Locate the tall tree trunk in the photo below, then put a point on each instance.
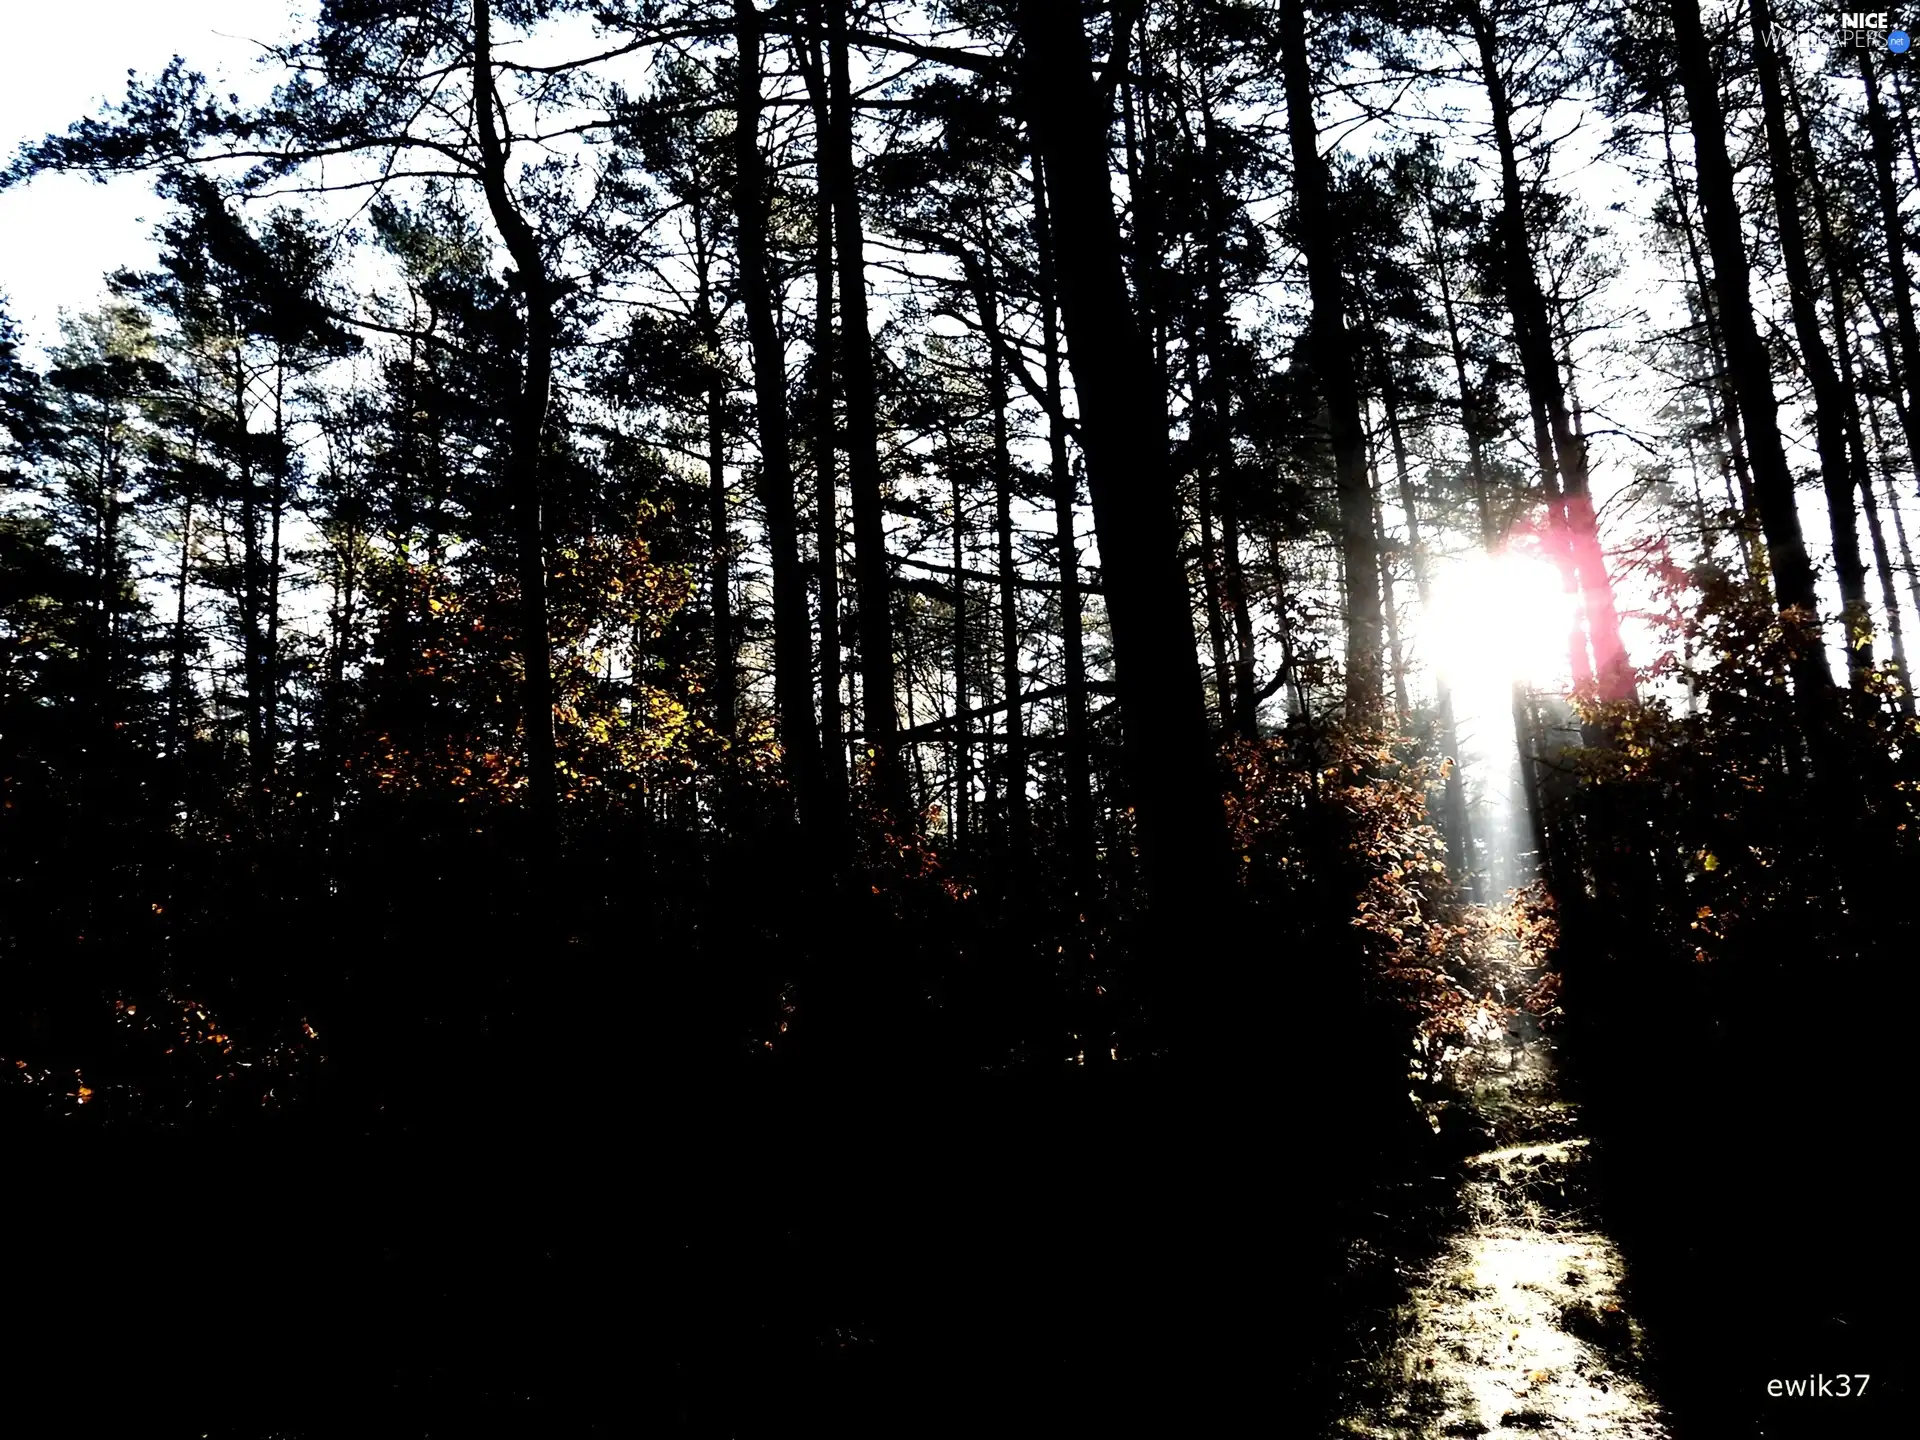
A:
(528, 439)
(821, 429)
(1880, 132)
(1396, 652)
(276, 508)
(1829, 401)
(1907, 567)
(1171, 780)
(1859, 470)
(1723, 406)
(1337, 373)
(1147, 202)
(345, 619)
(1791, 569)
(879, 723)
(177, 659)
(1527, 730)
(102, 667)
(437, 471)
(1016, 737)
(252, 640)
(1882, 558)
(1723, 420)
(1533, 335)
(1300, 706)
(1246, 698)
(1457, 351)
(1075, 760)
(962, 718)
(343, 612)
(1889, 357)
(792, 626)
(1837, 793)
(919, 795)
(1202, 446)
(1216, 403)
(726, 679)
(1211, 585)
(1906, 123)
(720, 581)
(1889, 596)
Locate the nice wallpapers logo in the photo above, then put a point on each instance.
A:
(1869, 30)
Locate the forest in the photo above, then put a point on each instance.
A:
(748, 717)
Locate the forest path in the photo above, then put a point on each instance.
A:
(1510, 1317)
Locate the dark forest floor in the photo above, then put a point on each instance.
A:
(1120, 1249)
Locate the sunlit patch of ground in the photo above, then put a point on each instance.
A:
(1516, 1324)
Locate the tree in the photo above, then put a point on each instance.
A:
(1333, 362)
(793, 646)
(879, 720)
(1123, 428)
(1792, 570)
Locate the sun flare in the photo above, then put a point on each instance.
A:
(1497, 619)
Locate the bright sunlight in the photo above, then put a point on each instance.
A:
(1498, 619)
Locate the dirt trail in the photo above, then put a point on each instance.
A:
(1510, 1318)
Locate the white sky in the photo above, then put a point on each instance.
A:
(59, 61)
